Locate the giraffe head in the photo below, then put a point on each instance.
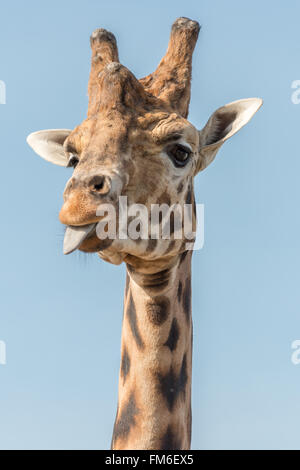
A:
(136, 142)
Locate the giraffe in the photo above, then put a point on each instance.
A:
(137, 142)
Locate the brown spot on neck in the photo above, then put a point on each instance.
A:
(173, 337)
(187, 298)
(158, 310)
(126, 421)
(133, 322)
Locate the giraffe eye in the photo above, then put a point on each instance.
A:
(73, 160)
(179, 154)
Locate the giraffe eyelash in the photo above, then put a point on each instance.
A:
(73, 161)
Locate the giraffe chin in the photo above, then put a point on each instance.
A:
(111, 256)
(93, 244)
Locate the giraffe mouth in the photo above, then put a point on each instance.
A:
(74, 236)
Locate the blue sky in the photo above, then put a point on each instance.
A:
(60, 317)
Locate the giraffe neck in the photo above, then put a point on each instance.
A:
(154, 407)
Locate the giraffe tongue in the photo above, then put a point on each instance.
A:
(74, 236)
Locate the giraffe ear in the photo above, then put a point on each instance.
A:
(48, 144)
(223, 124)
